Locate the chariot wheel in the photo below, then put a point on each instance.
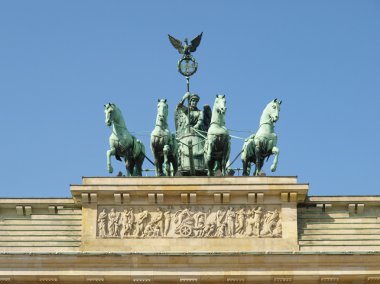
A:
(186, 231)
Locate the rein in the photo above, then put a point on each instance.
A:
(270, 122)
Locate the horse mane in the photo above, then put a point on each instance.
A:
(216, 117)
(165, 124)
(263, 118)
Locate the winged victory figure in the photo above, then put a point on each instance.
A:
(186, 48)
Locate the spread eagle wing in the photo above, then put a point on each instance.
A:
(195, 42)
(206, 117)
(176, 43)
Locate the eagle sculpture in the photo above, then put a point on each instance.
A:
(187, 48)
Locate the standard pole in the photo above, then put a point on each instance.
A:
(188, 103)
(190, 142)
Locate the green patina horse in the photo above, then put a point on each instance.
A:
(122, 143)
(217, 146)
(261, 145)
(162, 143)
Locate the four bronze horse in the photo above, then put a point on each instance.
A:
(217, 145)
(261, 145)
(122, 143)
(162, 143)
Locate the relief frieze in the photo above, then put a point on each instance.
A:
(188, 222)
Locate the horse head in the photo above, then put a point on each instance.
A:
(112, 113)
(162, 111)
(272, 111)
(220, 104)
(108, 109)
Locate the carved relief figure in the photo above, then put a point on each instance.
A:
(230, 222)
(270, 222)
(240, 221)
(185, 222)
(102, 223)
(157, 223)
(167, 219)
(200, 222)
(113, 225)
(220, 214)
(253, 222)
(141, 220)
(126, 221)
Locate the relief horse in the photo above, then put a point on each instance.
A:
(122, 143)
(162, 143)
(217, 145)
(262, 145)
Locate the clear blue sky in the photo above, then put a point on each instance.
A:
(61, 61)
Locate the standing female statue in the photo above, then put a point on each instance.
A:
(191, 125)
(183, 115)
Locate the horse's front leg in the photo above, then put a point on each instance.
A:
(166, 160)
(276, 152)
(110, 153)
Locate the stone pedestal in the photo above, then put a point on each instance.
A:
(190, 214)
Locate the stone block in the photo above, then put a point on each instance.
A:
(217, 198)
(284, 196)
(20, 210)
(28, 210)
(251, 198)
(226, 198)
(352, 208)
(151, 198)
(85, 198)
(327, 206)
(360, 208)
(160, 198)
(293, 196)
(126, 198)
(52, 209)
(184, 198)
(117, 198)
(260, 197)
(193, 198)
(93, 198)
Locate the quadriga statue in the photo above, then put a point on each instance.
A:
(122, 143)
(261, 145)
(162, 143)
